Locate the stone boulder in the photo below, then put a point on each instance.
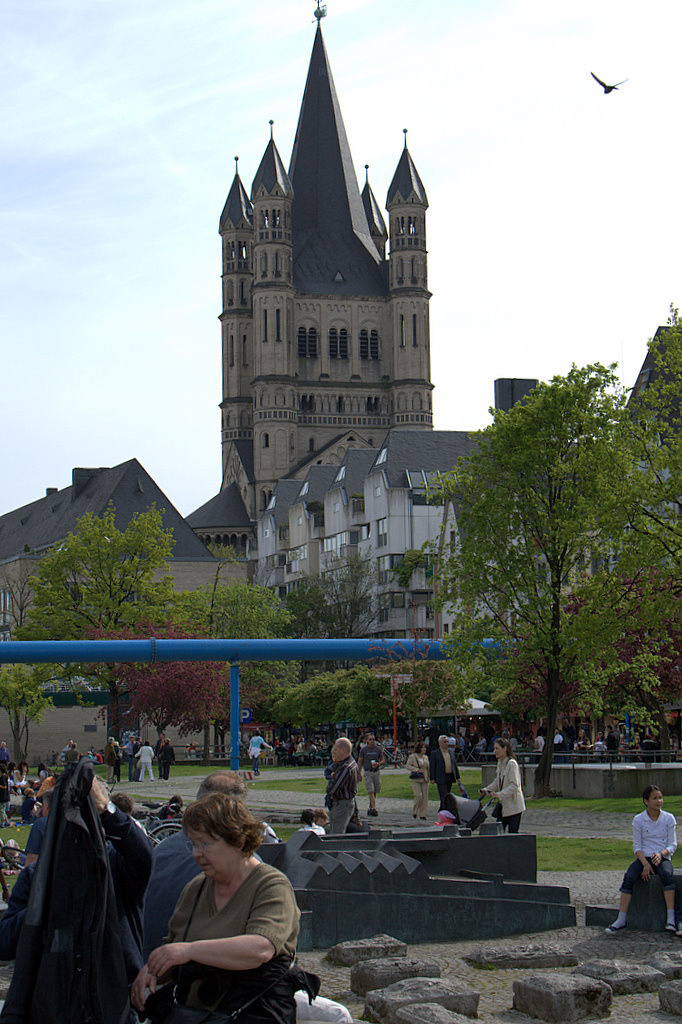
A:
(371, 974)
(669, 964)
(670, 997)
(429, 1013)
(522, 956)
(624, 976)
(562, 997)
(345, 954)
(383, 1004)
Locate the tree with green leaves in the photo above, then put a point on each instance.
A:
(101, 580)
(245, 611)
(338, 603)
(547, 490)
(23, 698)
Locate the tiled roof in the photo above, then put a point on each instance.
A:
(225, 511)
(128, 487)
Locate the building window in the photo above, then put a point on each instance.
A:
(312, 343)
(343, 343)
(244, 361)
(382, 533)
(265, 326)
(333, 344)
(232, 350)
(266, 440)
(340, 404)
(364, 345)
(302, 343)
(311, 444)
(414, 330)
(374, 345)
(278, 320)
(402, 331)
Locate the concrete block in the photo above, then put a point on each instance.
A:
(623, 976)
(370, 974)
(345, 954)
(562, 997)
(670, 997)
(383, 1004)
(522, 956)
(429, 1013)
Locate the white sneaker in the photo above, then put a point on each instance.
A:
(671, 928)
(614, 928)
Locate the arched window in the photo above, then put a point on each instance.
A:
(266, 440)
(333, 344)
(312, 343)
(364, 344)
(311, 444)
(232, 350)
(343, 343)
(374, 345)
(230, 293)
(340, 404)
(402, 331)
(302, 348)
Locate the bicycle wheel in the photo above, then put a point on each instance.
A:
(165, 831)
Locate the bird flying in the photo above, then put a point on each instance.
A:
(605, 87)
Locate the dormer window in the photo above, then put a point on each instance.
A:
(382, 456)
(340, 475)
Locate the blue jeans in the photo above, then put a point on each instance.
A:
(664, 870)
(254, 764)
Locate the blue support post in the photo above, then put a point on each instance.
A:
(235, 720)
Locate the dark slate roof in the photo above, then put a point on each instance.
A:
(225, 511)
(237, 207)
(271, 172)
(377, 225)
(433, 451)
(284, 495)
(128, 487)
(358, 462)
(319, 479)
(244, 449)
(406, 182)
(333, 250)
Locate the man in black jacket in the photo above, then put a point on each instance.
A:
(74, 920)
(443, 769)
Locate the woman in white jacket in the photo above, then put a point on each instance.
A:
(507, 786)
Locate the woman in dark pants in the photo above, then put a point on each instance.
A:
(507, 786)
(443, 769)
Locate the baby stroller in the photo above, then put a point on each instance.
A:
(467, 813)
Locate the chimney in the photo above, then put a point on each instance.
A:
(80, 479)
(50, 490)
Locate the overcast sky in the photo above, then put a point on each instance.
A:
(553, 226)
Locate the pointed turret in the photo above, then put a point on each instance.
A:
(238, 211)
(406, 186)
(334, 252)
(377, 227)
(271, 177)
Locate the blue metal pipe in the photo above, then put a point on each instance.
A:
(65, 651)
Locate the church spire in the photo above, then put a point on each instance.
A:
(333, 249)
(271, 174)
(238, 208)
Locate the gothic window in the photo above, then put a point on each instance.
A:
(302, 346)
(232, 250)
(276, 218)
(343, 343)
(413, 270)
(414, 330)
(243, 252)
(265, 219)
(244, 360)
(340, 404)
(333, 344)
(412, 225)
(364, 344)
(230, 293)
(242, 296)
(311, 444)
(401, 271)
(266, 440)
(232, 350)
(265, 326)
(312, 343)
(374, 345)
(278, 336)
(263, 264)
(400, 225)
(402, 331)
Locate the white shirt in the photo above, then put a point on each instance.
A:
(654, 836)
(145, 754)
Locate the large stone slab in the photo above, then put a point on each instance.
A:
(383, 1004)
(623, 976)
(522, 956)
(370, 974)
(345, 954)
(430, 1013)
(670, 997)
(562, 997)
(669, 964)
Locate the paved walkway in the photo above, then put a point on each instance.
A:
(283, 805)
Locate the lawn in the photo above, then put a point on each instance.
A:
(392, 786)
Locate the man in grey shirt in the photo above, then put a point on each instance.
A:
(371, 759)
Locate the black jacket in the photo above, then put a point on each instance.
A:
(437, 766)
(77, 935)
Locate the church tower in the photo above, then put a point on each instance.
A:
(325, 338)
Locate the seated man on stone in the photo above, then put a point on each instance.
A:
(654, 840)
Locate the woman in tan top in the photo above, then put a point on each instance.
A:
(418, 767)
(233, 933)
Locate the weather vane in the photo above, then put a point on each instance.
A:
(321, 11)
